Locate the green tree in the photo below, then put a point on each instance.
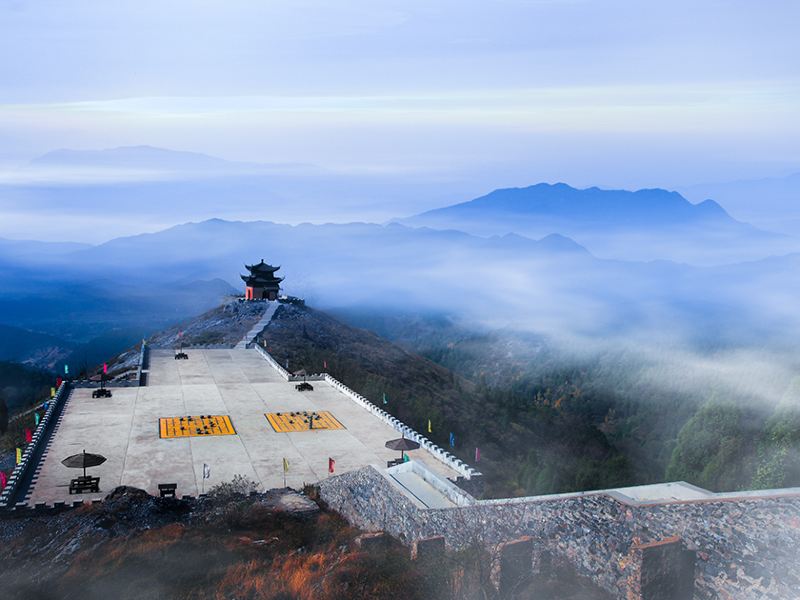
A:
(778, 455)
(714, 448)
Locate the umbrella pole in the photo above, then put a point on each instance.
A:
(84, 464)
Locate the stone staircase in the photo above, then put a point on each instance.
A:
(272, 306)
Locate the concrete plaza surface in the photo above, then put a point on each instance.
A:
(236, 382)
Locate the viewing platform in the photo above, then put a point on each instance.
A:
(235, 383)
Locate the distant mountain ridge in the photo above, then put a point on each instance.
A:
(590, 206)
(647, 224)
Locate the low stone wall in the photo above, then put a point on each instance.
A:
(273, 363)
(84, 384)
(450, 460)
(141, 372)
(31, 455)
(745, 546)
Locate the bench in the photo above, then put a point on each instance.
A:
(82, 485)
(101, 393)
(304, 387)
(394, 463)
(181, 356)
(167, 490)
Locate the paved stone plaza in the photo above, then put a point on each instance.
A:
(238, 383)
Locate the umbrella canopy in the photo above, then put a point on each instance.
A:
(403, 444)
(83, 460)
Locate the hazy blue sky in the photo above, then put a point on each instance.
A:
(612, 93)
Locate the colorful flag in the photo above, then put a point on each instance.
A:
(59, 381)
(477, 454)
(36, 418)
(105, 368)
(429, 426)
(206, 471)
(19, 455)
(385, 401)
(452, 440)
(66, 369)
(3, 480)
(28, 436)
(285, 466)
(287, 364)
(325, 364)
(52, 392)
(331, 465)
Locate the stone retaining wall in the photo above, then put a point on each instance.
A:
(746, 546)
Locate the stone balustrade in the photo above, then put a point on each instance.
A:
(9, 496)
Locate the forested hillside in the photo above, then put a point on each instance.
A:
(546, 420)
(526, 446)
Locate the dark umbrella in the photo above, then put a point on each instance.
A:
(403, 444)
(83, 460)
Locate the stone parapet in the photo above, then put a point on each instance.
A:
(745, 547)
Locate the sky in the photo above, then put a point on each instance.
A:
(496, 93)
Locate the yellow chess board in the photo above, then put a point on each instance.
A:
(285, 422)
(199, 426)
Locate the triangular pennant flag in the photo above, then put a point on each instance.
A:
(66, 369)
(36, 418)
(3, 480)
(331, 465)
(325, 364)
(28, 436)
(452, 440)
(105, 368)
(52, 392)
(385, 401)
(19, 455)
(429, 426)
(285, 466)
(206, 471)
(477, 454)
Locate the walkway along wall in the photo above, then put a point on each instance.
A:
(746, 546)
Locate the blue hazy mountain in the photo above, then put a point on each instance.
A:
(641, 225)
(772, 203)
(552, 285)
